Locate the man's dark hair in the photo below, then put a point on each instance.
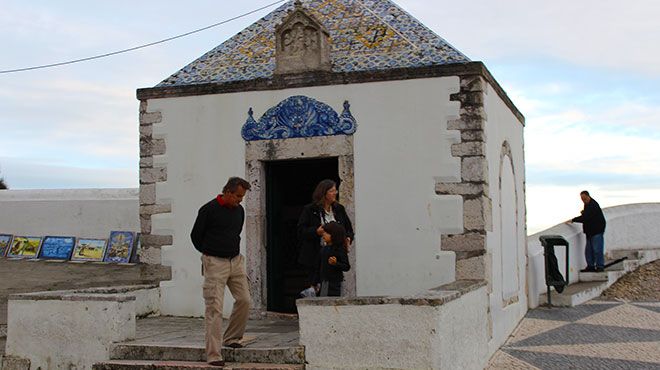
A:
(233, 183)
(585, 193)
(321, 189)
(3, 186)
(336, 231)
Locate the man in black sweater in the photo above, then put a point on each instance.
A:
(593, 225)
(216, 234)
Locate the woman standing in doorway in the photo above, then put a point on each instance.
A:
(323, 209)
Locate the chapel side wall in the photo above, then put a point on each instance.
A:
(401, 150)
(506, 244)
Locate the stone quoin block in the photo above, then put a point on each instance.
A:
(151, 175)
(146, 162)
(155, 240)
(150, 118)
(473, 214)
(155, 209)
(474, 169)
(447, 188)
(150, 255)
(147, 194)
(473, 136)
(473, 83)
(145, 224)
(473, 148)
(464, 242)
(463, 123)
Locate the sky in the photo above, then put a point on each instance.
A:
(584, 74)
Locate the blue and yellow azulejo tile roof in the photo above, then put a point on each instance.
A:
(366, 35)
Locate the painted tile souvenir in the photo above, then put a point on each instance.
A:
(24, 247)
(5, 241)
(57, 247)
(89, 250)
(120, 246)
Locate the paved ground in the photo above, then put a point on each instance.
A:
(641, 285)
(189, 332)
(597, 335)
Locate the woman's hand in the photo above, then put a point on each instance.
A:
(347, 244)
(332, 261)
(319, 231)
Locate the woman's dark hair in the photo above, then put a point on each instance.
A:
(336, 231)
(321, 189)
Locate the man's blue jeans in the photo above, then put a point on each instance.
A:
(593, 251)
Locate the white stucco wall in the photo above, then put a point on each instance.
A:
(629, 227)
(401, 148)
(506, 243)
(89, 213)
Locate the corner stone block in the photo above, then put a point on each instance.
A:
(473, 83)
(474, 169)
(146, 162)
(474, 213)
(472, 268)
(473, 148)
(151, 175)
(150, 255)
(473, 136)
(147, 194)
(150, 118)
(145, 225)
(463, 242)
(150, 241)
(466, 123)
(447, 188)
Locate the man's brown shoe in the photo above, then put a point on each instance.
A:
(217, 363)
(234, 345)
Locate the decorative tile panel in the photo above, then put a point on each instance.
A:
(366, 35)
(299, 116)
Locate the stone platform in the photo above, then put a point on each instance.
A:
(178, 342)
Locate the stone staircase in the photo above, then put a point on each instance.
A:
(592, 284)
(178, 343)
(146, 356)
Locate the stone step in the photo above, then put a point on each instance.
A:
(607, 276)
(163, 352)
(189, 365)
(575, 294)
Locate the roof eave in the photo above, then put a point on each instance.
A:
(280, 82)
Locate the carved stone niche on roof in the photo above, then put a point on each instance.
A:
(302, 44)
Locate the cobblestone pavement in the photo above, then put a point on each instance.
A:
(596, 335)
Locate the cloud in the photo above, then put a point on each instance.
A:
(594, 33)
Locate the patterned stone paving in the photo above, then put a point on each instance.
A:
(596, 335)
(366, 35)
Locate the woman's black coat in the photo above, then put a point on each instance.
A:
(309, 222)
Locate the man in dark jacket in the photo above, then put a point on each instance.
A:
(216, 234)
(593, 225)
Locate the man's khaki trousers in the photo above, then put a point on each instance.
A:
(218, 273)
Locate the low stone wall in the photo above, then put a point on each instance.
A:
(445, 328)
(74, 329)
(86, 213)
(630, 228)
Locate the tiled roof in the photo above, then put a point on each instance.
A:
(366, 35)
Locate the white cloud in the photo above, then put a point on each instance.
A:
(594, 33)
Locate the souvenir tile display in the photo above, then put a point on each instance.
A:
(120, 246)
(24, 247)
(5, 241)
(57, 247)
(89, 250)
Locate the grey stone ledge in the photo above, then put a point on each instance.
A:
(433, 297)
(111, 294)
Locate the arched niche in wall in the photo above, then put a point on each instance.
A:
(508, 209)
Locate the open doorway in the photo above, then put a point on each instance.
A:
(289, 187)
